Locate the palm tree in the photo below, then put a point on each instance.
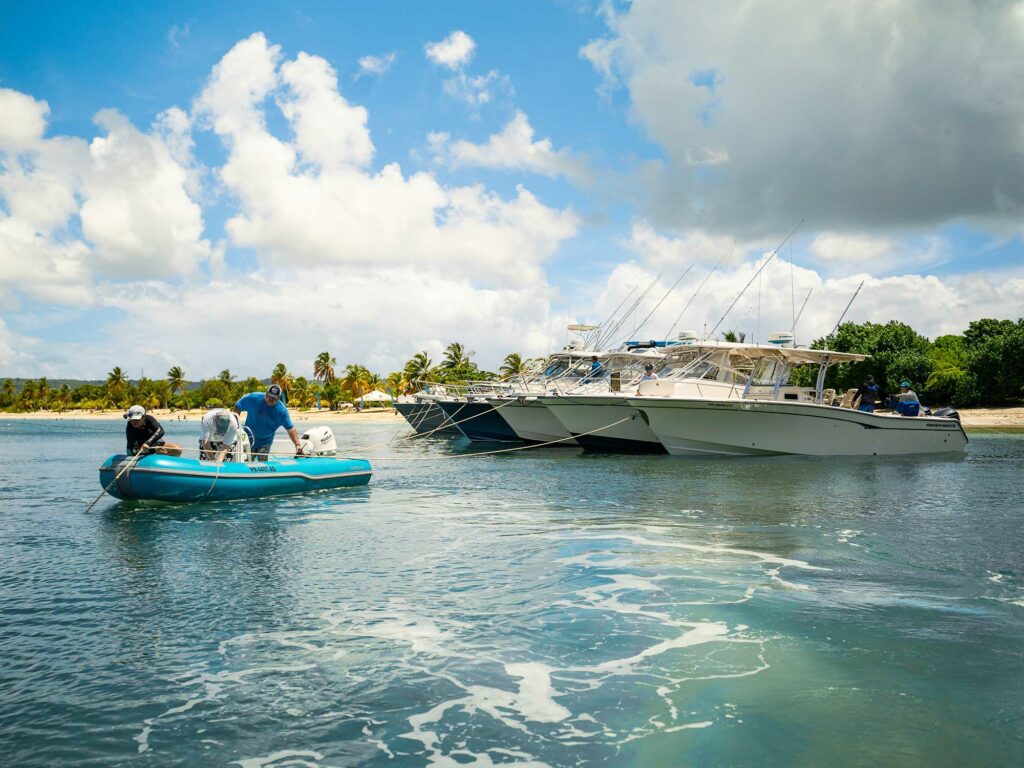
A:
(176, 380)
(117, 384)
(283, 379)
(27, 396)
(8, 391)
(356, 380)
(455, 357)
(226, 377)
(43, 391)
(513, 365)
(63, 397)
(323, 367)
(734, 336)
(300, 391)
(419, 369)
(396, 383)
(161, 390)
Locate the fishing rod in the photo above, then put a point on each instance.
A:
(636, 330)
(606, 337)
(796, 318)
(752, 279)
(690, 300)
(616, 310)
(840, 320)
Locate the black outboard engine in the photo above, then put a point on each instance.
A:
(947, 413)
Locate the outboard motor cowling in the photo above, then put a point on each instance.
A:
(319, 441)
(947, 413)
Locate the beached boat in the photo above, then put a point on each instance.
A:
(176, 478)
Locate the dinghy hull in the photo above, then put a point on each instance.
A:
(178, 479)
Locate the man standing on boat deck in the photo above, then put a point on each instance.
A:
(867, 395)
(264, 414)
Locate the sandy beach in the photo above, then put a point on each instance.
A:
(370, 416)
(971, 418)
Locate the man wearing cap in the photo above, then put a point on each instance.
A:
(264, 413)
(143, 432)
(907, 403)
(649, 374)
(219, 434)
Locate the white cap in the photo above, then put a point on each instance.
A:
(135, 412)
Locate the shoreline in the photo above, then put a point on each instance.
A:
(971, 418)
(371, 416)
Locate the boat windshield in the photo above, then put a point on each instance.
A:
(767, 371)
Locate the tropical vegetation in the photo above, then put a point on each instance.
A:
(982, 366)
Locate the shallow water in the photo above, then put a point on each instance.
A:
(540, 608)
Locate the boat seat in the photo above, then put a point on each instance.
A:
(828, 396)
(846, 401)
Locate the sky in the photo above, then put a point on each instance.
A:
(213, 186)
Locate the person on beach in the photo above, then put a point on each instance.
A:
(867, 395)
(144, 430)
(219, 434)
(649, 374)
(264, 413)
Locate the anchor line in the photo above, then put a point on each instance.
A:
(134, 460)
(507, 450)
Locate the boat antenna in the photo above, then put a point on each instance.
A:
(796, 318)
(606, 337)
(689, 301)
(643, 322)
(752, 279)
(840, 320)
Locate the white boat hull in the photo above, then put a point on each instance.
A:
(759, 428)
(532, 421)
(604, 423)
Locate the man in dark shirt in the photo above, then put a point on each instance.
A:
(867, 395)
(143, 429)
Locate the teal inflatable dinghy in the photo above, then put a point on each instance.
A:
(157, 477)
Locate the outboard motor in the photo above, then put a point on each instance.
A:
(319, 441)
(947, 413)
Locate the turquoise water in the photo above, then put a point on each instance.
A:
(539, 608)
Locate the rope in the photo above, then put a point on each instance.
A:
(134, 460)
(509, 450)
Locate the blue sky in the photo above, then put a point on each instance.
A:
(575, 151)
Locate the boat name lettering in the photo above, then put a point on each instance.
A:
(262, 468)
(941, 426)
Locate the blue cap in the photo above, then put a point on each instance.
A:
(905, 383)
(274, 391)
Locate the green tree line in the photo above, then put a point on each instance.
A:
(982, 366)
(329, 384)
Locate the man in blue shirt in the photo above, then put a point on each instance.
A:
(264, 413)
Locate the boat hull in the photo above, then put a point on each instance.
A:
(763, 428)
(426, 416)
(532, 421)
(592, 420)
(479, 421)
(178, 479)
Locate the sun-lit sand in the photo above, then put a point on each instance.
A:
(370, 415)
(972, 418)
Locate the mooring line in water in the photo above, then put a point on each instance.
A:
(506, 450)
(134, 460)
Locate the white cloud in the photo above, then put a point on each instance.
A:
(476, 91)
(24, 120)
(659, 250)
(453, 52)
(514, 149)
(869, 116)
(330, 210)
(136, 210)
(375, 65)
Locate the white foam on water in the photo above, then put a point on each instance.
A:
(293, 757)
(688, 726)
(536, 694)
